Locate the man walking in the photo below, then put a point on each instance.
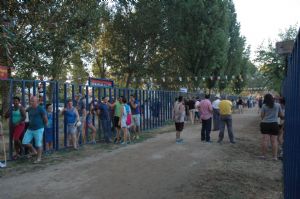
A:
(206, 110)
(225, 119)
(37, 120)
(216, 113)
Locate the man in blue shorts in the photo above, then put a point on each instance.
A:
(37, 120)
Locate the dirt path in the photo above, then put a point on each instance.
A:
(159, 168)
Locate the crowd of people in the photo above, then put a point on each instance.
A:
(33, 126)
(124, 118)
(216, 114)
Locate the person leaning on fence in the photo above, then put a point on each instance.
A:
(37, 121)
(18, 125)
(117, 106)
(103, 112)
(89, 122)
(225, 107)
(136, 116)
(49, 131)
(72, 119)
(269, 127)
(178, 116)
(123, 122)
(80, 104)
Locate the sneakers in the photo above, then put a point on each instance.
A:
(179, 141)
(232, 142)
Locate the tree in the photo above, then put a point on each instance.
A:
(272, 65)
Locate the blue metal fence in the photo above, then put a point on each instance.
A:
(156, 105)
(292, 125)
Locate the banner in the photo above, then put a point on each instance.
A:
(3, 72)
(183, 90)
(96, 82)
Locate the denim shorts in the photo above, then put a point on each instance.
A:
(136, 120)
(37, 135)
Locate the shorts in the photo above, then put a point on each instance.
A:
(116, 121)
(179, 126)
(18, 131)
(123, 123)
(37, 135)
(269, 128)
(49, 135)
(136, 120)
(71, 128)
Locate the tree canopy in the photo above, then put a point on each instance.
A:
(137, 43)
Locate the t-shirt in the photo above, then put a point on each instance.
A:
(136, 110)
(36, 117)
(118, 107)
(240, 102)
(179, 112)
(216, 103)
(271, 114)
(104, 111)
(50, 120)
(70, 115)
(205, 109)
(16, 116)
(191, 104)
(225, 107)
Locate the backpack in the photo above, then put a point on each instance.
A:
(128, 117)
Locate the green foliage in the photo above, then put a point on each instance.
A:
(130, 41)
(272, 65)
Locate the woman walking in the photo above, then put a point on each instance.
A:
(270, 112)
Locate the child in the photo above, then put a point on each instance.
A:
(49, 133)
(89, 123)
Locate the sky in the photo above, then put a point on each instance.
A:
(262, 20)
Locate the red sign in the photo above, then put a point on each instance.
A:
(95, 82)
(3, 72)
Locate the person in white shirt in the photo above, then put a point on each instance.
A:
(216, 113)
(197, 113)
